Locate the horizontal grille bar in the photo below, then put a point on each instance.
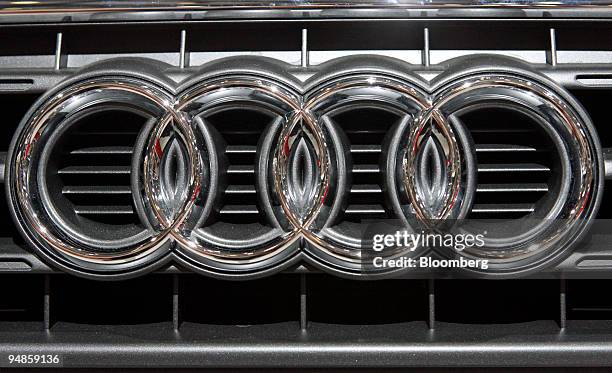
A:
(104, 150)
(503, 208)
(514, 167)
(246, 169)
(93, 170)
(490, 148)
(97, 189)
(103, 210)
(531, 187)
(240, 189)
(366, 168)
(239, 209)
(366, 188)
(364, 209)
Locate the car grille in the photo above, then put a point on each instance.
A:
(304, 314)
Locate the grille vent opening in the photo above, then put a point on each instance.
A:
(489, 35)
(21, 307)
(25, 47)
(580, 43)
(527, 42)
(496, 302)
(585, 300)
(87, 44)
(94, 167)
(584, 44)
(146, 300)
(366, 130)
(272, 300)
(240, 130)
(591, 37)
(347, 302)
(516, 164)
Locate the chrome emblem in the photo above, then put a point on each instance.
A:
(303, 171)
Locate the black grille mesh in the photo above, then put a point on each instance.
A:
(94, 168)
(515, 163)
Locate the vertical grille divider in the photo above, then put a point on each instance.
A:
(426, 51)
(183, 54)
(47, 303)
(551, 53)
(60, 60)
(431, 294)
(176, 315)
(303, 302)
(562, 305)
(305, 61)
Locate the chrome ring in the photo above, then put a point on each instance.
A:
(563, 218)
(60, 237)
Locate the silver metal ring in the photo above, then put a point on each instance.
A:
(43, 219)
(562, 122)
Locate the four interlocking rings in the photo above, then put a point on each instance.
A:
(429, 163)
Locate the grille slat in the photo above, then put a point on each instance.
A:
(239, 209)
(241, 169)
(366, 188)
(368, 148)
(104, 132)
(103, 210)
(95, 170)
(532, 187)
(366, 169)
(502, 130)
(103, 150)
(365, 210)
(488, 148)
(240, 189)
(503, 208)
(513, 167)
(97, 189)
(241, 149)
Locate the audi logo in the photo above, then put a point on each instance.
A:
(429, 167)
